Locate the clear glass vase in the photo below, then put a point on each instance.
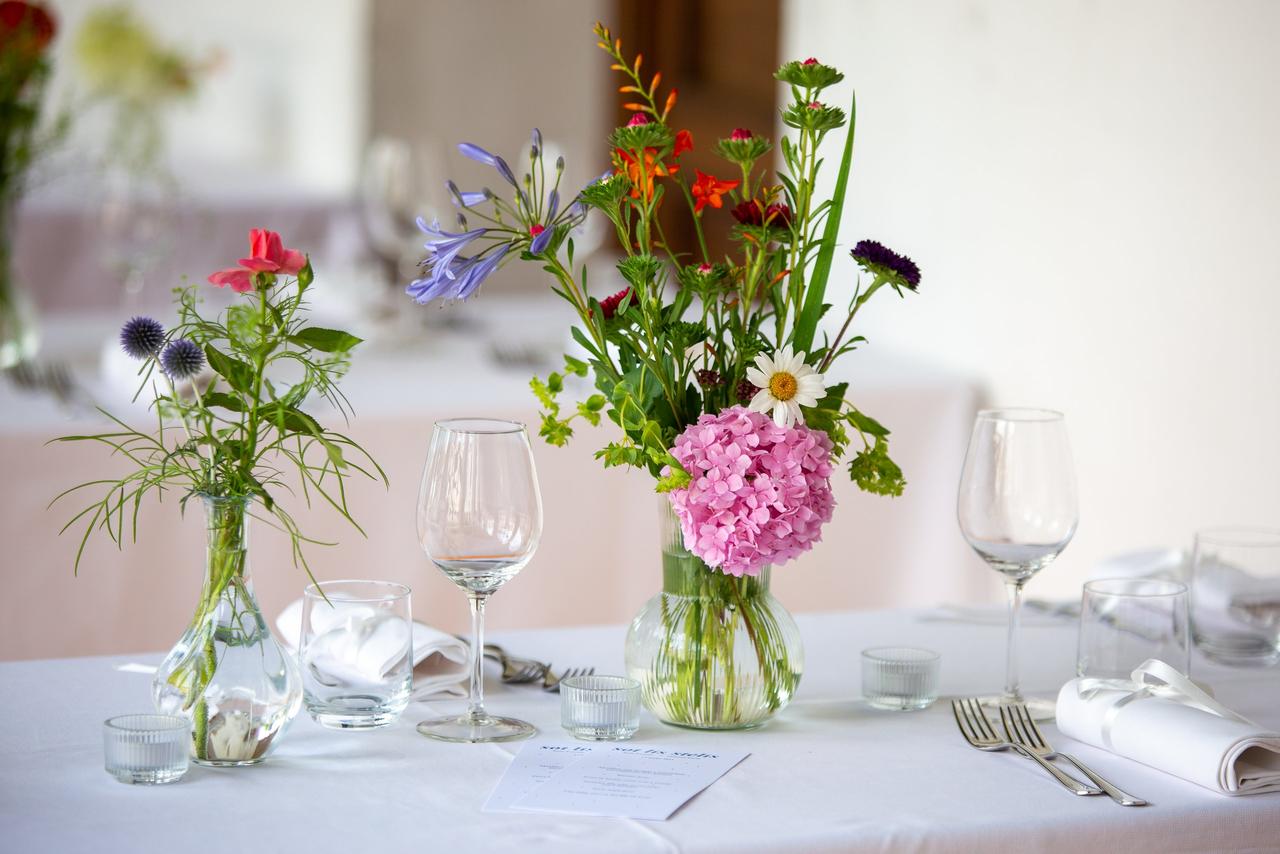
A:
(712, 651)
(19, 332)
(227, 673)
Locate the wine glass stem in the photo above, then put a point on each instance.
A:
(1014, 589)
(476, 707)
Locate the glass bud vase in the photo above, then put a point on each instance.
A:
(19, 333)
(712, 651)
(227, 673)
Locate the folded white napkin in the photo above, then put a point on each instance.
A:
(370, 645)
(1164, 720)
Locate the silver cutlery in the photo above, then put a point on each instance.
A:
(1021, 728)
(516, 671)
(551, 682)
(977, 730)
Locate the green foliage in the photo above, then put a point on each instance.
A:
(874, 472)
(238, 434)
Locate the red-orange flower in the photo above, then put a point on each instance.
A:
(708, 190)
(653, 167)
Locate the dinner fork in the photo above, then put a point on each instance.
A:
(1021, 728)
(977, 730)
(551, 682)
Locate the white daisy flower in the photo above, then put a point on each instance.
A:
(786, 383)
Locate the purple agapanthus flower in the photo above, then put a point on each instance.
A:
(464, 199)
(479, 155)
(448, 245)
(458, 280)
(883, 261)
(553, 204)
(539, 243)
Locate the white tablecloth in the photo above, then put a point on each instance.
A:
(598, 559)
(830, 774)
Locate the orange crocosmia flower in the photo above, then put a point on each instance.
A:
(684, 142)
(709, 189)
(653, 168)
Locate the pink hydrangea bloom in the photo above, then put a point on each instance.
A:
(759, 493)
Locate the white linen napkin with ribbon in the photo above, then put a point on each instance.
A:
(1163, 719)
(439, 659)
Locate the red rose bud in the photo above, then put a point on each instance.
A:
(778, 215)
(748, 213)
(810, 61)
(638, 119)
(740, 134)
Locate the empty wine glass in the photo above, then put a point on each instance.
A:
(1017, 509)
(479, 520)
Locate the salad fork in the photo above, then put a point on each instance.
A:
(1021, 728)
(977, 730)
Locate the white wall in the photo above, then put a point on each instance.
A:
(1092, 191)
(287, 108)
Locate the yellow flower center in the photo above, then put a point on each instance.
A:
(782, 386)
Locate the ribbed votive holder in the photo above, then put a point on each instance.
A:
(900, 678)
(146, 749)
(600, 708)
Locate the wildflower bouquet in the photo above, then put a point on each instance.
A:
(714, 368)
(228, 394)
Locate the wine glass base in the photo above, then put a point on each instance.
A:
(1042, 709)
(474, 729)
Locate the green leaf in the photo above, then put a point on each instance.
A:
(545, 396)
(575, 366)
(325, 340)
(874, 472)
(807, 322)
(867, 424)
(675, 478)
(555, 431)
(237, 373)
(224, 400)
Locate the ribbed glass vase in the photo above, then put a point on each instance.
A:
(227, 674)
(19, 333)
(712, 651)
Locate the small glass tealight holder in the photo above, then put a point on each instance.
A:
(147, 749)
(899, 678)
(600, 708)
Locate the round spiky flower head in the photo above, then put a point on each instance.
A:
(809, 74)
(642, 135)
(879, 260)
(182, 359)
(142, 337)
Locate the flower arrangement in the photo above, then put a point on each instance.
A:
(228, 396)
(714, 368)
(693, 340)
(26, 31)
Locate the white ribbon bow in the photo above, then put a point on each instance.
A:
(1154, 678)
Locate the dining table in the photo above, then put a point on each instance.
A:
(828, 774)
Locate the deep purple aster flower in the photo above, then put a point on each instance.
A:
(479, 155)
(142, 337)
(182, 359)
(880, 260)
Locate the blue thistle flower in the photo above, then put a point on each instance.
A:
(182, 359)
(142, 337)
(880, 260)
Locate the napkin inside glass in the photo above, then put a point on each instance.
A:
(1229, 756)
(372, 645)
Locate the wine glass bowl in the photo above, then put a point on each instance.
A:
(1017, 505)
(479, 521)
